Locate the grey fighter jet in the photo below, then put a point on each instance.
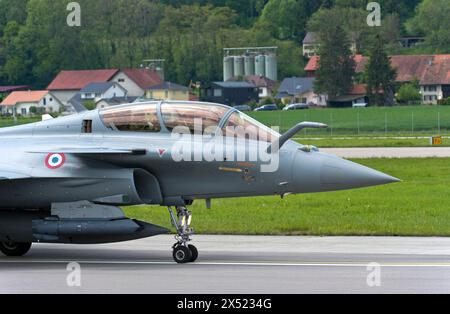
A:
(63, 180)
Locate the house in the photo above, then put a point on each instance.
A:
(26, 103)
(265, 85)
(431, 71)
(168, 91)
(95, 92)
(357, 96)
(311, 44)
(300, 90)
(230, 93)
(68, 83)
(5, 90)
(115, 101)
(137, 81)
(313, 65)
(134, 81)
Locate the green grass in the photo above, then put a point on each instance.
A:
(418, 206)
(370, 142)
(6, 122)
(406, 120)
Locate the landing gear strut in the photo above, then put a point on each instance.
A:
(183, 252)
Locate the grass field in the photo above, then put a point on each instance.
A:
(5, 122)
(371, 121)
(418, 206)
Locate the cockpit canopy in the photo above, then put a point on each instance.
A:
(185, 117)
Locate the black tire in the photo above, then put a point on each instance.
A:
(182, 254)
(14, 249)
(194, 253)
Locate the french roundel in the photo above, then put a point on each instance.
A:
(55, 161)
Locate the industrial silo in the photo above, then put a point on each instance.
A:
(228, 68)
(239, 69)
(260, 65)
(271, 67)
(249, 65)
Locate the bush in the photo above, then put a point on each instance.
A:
(89, 105)
(408, 94)
(445, 102)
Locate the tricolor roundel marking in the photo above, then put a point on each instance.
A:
(55, 161)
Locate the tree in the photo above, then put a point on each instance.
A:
(281, 15)
(352, 20)
(336, 65)
(432, 20)
(409, 94)
(380, 76)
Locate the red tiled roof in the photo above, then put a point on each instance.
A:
(24, 97)
(360, 61)
(428, 69)
(358, 89)
(144, 78)
(76, 80)
(313, 64)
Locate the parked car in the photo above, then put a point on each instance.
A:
(267, 108)
(243, 108)
(296, 107)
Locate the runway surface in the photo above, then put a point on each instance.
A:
(390, 152)
(237, 264)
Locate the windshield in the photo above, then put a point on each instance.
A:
(242, 126)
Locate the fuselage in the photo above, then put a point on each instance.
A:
(153, 173)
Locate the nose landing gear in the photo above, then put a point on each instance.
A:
(183, 252)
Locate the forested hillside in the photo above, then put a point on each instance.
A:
(36, 42)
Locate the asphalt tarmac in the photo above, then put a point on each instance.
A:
(236, 264)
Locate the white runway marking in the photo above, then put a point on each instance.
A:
(250, 264)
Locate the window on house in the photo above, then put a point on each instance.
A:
(45, 101)
(217, 92)
(121, 80)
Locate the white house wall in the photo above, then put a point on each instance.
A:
(133, 89)
(64, 95)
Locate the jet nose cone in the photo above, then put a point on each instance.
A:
(319, 172)
(341, 174)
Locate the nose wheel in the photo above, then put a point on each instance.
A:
(183, 252)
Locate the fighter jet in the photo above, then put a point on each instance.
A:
(64, 180)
